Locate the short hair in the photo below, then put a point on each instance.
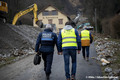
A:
(70, 23)
(48, 26)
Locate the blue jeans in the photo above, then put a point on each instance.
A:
(67, 53)
(87, 51)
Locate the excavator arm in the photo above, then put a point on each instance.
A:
(23, 12)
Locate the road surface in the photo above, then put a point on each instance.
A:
(25, 70)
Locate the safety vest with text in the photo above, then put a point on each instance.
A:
(85, 35)
(68, 38)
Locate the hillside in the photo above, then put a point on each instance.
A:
(16, 41)
(67, 6)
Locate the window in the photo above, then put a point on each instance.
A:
(3, 4)
(60, 21)
(54, 27)
(45, 13)
(49, 21)
(54, 12)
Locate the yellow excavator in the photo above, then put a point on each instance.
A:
(25, 11)
(3, 11)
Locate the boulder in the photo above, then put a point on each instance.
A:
(108, 70)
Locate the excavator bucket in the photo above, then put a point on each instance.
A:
(75, 21)
(39, 23)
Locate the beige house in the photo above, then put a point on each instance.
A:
(51, 15)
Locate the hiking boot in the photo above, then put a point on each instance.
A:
(84, 58)
(87, 59)
(47, 77)
(73, 77)
(68, 79)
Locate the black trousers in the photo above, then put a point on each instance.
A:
(87, 51)
(47, 58)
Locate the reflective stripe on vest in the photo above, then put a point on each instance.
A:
(68, 38)
(85, 35)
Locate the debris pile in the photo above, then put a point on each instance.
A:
(107, 55)
(17, 54)
(17, 41)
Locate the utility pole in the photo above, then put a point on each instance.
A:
(96, 19)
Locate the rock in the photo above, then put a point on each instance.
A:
(108, 51)
(9, 55)
(113, 51)
(106, 38)
(105, 61)
(114, 78)
(108, 70)
(15, 52)
(31, 51)
(109, 55)
(3, 62)
(110, 59)
(111, 74)
(5, 55)
(98, 58)
(26, 54)
(102, 53)
(21, 52)
(1, 55)
(104, 64)
(116, 72)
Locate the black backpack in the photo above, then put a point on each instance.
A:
(37, 59)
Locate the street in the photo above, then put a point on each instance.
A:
(25, 69)
(29, 25)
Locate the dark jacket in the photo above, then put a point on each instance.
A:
(67, 27)
(46, 46)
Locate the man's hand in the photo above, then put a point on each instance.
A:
(78, 51)
(38, 53)
(59, 53)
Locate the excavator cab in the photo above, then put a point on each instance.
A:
(3, 11)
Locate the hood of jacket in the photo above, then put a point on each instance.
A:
(68, 27)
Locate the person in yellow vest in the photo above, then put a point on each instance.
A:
(68, 42)
(86, 40)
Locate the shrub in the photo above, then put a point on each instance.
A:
(106, 26)
(115, 28)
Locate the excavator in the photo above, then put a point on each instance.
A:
(25, 11)
(3, 11)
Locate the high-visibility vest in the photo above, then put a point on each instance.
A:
(68, 38)
(85, 35)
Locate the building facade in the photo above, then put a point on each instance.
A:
(51, 15)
